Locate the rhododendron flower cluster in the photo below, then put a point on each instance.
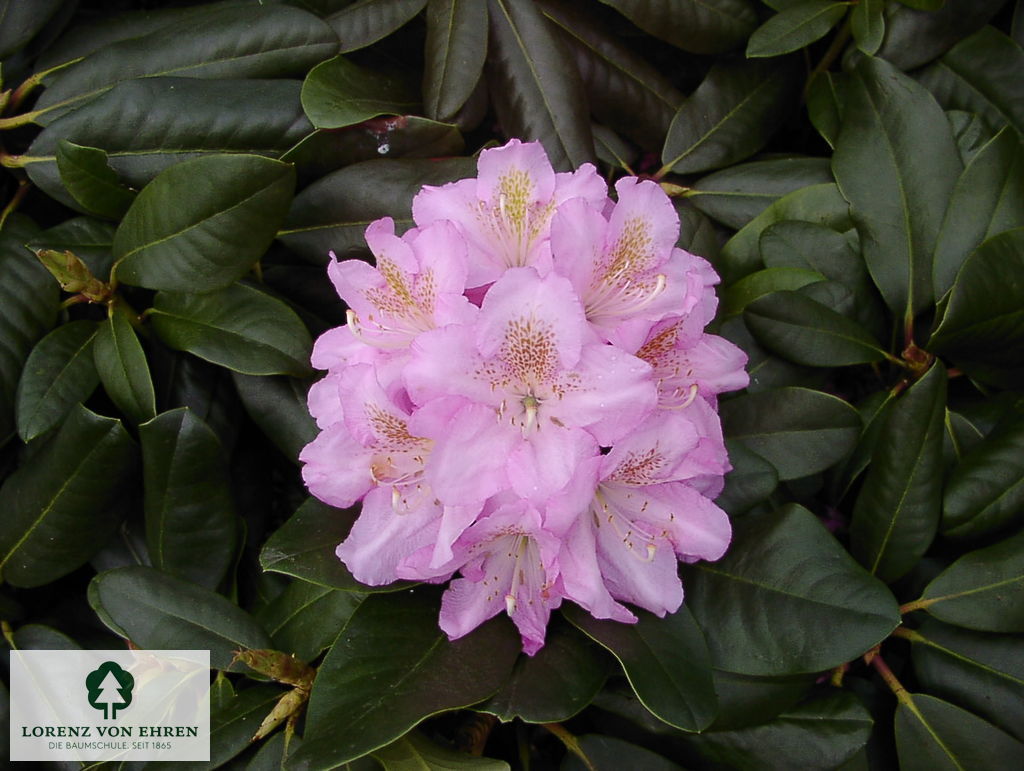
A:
(524, 398)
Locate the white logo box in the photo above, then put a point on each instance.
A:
(104, 705)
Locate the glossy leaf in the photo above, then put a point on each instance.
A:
(873, 410)
(821, 204)
(536, 96)
(896, 163)
(982, 672)
(736, 195)
(91, 182)
(751, 480)
(625, 91)
(254, 41)
(154, 610)
(767, 371)
(970, 132)
(979, 75)
(556, 683)
(808, 332)
(332, 213)
(735, 298)
(867, 22)
(897, 511)
(416, 751)
(37, 637)
(189, 510)
(787, 598)
(61, 505)
(665, 659)
(819, 733)
(731, 115)
(30, 298)
(239, 327)
(982, 590)
(799, 431)
(748, 700)
(58, 374)
(985, 493)
(305, 618)
(364, 22)
(454, 55)
(339, 93)
(201, 224)
(147, 125)
(89, 238)
(278, 406)
(914, 38)
(933, 734)
(392, 667)
(799, 25)
(21, 22)
(304, 546)
(700, 27)
(122, 366)
(984, 318)
(988, 199)
(610, 752)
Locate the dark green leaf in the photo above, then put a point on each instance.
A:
(609, 752)
(897, 511)
(988, 199)
(873, 410)
(751, 480)
(932, 734)
(734, 196)
(983, 672)
(454, 55)
(981, 74)
(36, 637)
(748, 289)
(364, 22)
(961, 437)
(624, 91)
(799, 431)
(808, 332)
(254, 41)
(278, 406)
(60, 506)
(732, 114)
(30, 297)
(339, 93)
(304, 546)
(821, 733)
(746, 700)
(896, 163)
(697, 233)
(149, 124)
(924, 5)
(982, 590)
(553, 685)
(970, 133)
(332, 214)
(390, 668)
(768, 372)
(154, 610)
(985, 493)
(787, 598)
(190, 514)
(537, 97)
(304, 619)
(91, 182)
(200, 225)
(822, 204)
(122, 366)
(21, 21)
(58, 374)
(665, 660)
(799, 25)
(697, 26)
(88, 238)
(415, 751)
(867, 22)
(402, 136)
(825, 98)
(239, 327)
(913, 38)
(984, 319)
(233, 723)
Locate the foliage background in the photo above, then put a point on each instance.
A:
(855, 172)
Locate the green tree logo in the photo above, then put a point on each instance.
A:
(110, 688)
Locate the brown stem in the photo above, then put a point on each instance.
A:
(570, 743)
(838, 44)
(901, 693)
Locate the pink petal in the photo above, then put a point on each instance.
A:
(653, 585)
(444, 362)
(581, 574)
(324, 400)
(584, 183)
(653, 451)
(542, 464)
(520, 173)
(577, 242)
(336, 467)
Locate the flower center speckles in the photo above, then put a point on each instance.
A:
(407, 301)
(608, 513)
(625, 281)
(529, 353)
(399, 459)
(514, 219)
(670, 366)
(639, 468)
